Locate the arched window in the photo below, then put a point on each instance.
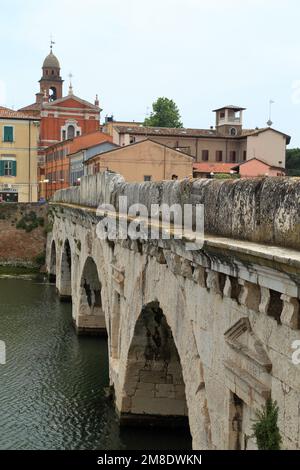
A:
(233, 131)
(52, 94)
(71, 132)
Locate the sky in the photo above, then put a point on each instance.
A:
(202, 54)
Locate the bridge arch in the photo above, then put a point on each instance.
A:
(65, 288)
(52, 265)
(91, 315)
(154, 388)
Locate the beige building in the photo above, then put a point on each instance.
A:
(227, 142)
(18, 156)
(143, 161)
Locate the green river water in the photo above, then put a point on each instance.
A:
(52, 387)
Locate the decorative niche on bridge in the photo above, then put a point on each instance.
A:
(248, 366)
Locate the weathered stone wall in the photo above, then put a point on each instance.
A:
(19, 247)
(232, 309)
(261, 210)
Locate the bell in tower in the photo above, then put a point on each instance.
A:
(51, 83)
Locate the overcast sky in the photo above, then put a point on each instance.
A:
(202, 54)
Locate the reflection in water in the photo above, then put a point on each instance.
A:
(52, 389)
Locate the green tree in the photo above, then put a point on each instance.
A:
(165, 114)
(293, 162)
(265, 429)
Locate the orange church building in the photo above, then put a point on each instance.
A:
(61, 117)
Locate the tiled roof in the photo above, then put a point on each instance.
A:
(249, 132)
(230, 106)
(182, 132)
(210, 167)
(88, 140)
(235, 167)
(32, 107)
(142, 130)
(11, 114)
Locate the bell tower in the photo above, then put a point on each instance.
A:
(51, 83)
(229, 120)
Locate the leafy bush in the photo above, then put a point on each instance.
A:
(265, 429)
(29, 222)
(40, 259)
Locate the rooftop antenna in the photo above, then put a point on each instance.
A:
(270, 122)
(51, 42)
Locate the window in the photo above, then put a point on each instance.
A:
(8, 168)
(71, 132)
(8, 134)
(132, 139)
(52, 93)
(63, 135)
(233, 131)
(219, 156)
(205, 155)
(147, 178)
(245, 155)
(232, 156)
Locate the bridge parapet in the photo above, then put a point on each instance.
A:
(260, 210)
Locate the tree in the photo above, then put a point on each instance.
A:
(165, 114)
(265, 429)
(293, 162)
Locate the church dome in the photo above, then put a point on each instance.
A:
(51, 61)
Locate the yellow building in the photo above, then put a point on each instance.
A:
(19, 136)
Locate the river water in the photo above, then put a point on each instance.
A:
(52, 388)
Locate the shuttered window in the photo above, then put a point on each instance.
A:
(8, 168)
(8, 134)
(219, 156)
(205, 155)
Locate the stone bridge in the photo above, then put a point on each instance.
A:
(196, 338)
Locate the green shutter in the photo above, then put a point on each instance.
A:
(8, 134)
(14, 168)
(1, 167)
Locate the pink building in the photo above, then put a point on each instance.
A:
(257, 167)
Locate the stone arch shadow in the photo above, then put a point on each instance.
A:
(52, 263)
(154, 389)
(90, 318)
(65, 285)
